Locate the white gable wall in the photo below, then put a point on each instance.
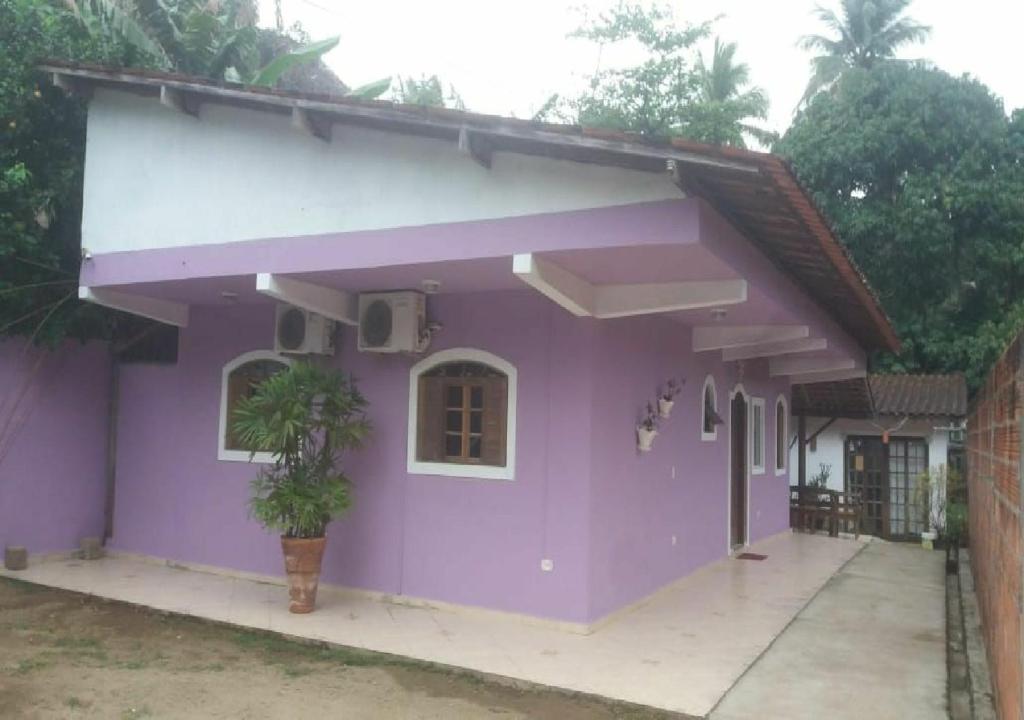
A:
(829, 449)
(155, 177)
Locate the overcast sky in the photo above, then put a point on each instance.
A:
(507, 58)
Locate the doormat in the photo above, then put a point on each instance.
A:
(750, 556)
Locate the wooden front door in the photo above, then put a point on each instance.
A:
(738, 493)
(867, 477)
(885, 478)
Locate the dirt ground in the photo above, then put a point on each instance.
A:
(65, 655)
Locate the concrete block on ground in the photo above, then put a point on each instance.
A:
(15, 558)
(91, 548)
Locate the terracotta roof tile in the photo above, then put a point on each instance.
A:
(919, 395)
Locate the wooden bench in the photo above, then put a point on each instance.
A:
(814, 509)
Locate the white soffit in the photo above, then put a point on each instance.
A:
(334, 304)
(771, 349)
(585, 299)
(721, 337)
(805, 366)
(165, 311)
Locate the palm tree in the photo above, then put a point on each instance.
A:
(869, 32)
(725, 103)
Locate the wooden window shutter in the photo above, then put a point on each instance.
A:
(430, 420)
(495, 414)
(238, 388)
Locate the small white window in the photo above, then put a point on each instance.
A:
(238, 379)
(781, 435)
(757, 435)
(710, 419)
(462, 416)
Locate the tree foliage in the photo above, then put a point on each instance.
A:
(41, 165)
(428, 91)
(671, 92)
(923, 175)
(725, 101)
(43, 148)
(864, 33)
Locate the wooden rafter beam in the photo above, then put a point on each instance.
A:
(179, 100)
(72, 86)
(475, 147)
(312, 123)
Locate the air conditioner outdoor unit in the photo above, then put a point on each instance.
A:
(393, 322)
(302, 332)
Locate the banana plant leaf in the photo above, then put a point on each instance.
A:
(372, 90)
(272, 71)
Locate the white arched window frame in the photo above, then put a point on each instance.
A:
(484, 472)
(781, 436)
(223, 453)
(709, 383)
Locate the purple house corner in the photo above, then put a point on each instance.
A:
(510, 297)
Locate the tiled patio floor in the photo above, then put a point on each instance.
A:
(680, 651)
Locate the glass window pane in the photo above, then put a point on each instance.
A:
(476, 398)
(454, 396)
(453, 421)
(453, 445)
(476, 422)
(474, 447)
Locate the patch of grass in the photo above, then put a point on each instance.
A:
(73, 702)
(295, 671)
(73, 643)
(22, 586)
(26, 666)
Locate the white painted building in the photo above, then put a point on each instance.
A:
(916, 427)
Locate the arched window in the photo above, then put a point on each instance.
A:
(781, 435)
(462, 412)
(757, 434)
(710, 420)
(238, 380)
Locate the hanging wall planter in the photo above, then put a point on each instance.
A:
(665, 407)
(645, 438)
(667, 397)
(647, 430)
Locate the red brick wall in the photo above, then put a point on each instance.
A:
(994, 487)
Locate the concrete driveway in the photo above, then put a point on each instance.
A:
(871, 644)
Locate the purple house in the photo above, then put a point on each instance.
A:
(510, 297)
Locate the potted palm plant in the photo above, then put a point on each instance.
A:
(306, 416)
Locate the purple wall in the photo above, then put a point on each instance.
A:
(478, 542)
(637, 504)
(53, 444)
(583, 497)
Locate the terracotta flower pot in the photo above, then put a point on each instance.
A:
(302, 560)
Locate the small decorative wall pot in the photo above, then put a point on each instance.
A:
(665, 407)
(645, 438)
